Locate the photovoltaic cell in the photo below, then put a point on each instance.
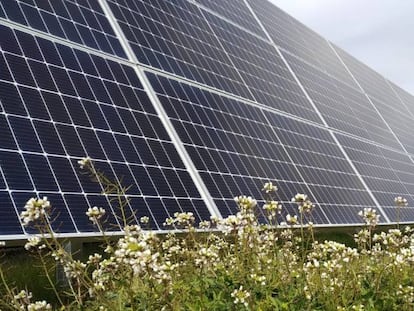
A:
(385, 99)
(237, 147)
(39, 150)
(174, 36)
(82, 22)
(262, 69)
(237, 12)
(299, 40)
(387, 173)
(229, 77)
(324, 168)
(342, 107)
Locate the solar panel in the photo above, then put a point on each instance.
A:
(47, 127)
(82, 22)
(174, 36)
(235, 11)
(191, 103)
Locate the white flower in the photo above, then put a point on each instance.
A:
(144, 219)
(240, 296)
(94, 259)
(299, 197)
(34, 210)
(205, 224)
(95, 213)
(306, 206)
(23, 295)
(245, 203)
(32, 242)
(39, 306)
(400, 201)
(292, 220)
(180, 219)
(269, 187)
(272, 208)
(2, 243)
(370, 216)
(84, 162)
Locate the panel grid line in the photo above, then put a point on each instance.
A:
(320, 115)
(161, 113)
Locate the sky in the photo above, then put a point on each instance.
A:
(380, 33)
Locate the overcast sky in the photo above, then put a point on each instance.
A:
(380, 33)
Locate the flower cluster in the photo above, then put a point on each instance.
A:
(144, 220)
(245, 203)
(85, 163)
(370, 216)
(292, 220)
(240, 264)
(304, 204)
(35, 209)
(269, 188)
(400, 201)
(181, 220)
(22, 301)
(240, 296)
(95, 213)
(272, 208)
(34, 242)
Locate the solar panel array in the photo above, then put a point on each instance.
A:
(191, 103)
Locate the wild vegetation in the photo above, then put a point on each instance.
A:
(234, 263)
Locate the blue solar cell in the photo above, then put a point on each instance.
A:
(115, 122)
(25, 134)
(9, 223)
(86, 63)
(14, 12)
(63, 81)
(56, 107)
(70, 140)
(145, 180)
(49, 138)
(126, 178)
(91, 143)
(64, 174)
(76, 111)
(29, 46)
(6, 137)
(70, 30)
(81, 85)
(145, 152)
(49, 51)
(15, 172)
(42, 75)
(96, 115)
(109, 144)
(128, 149)
(21, 72)
(4, 70)
(10, 99)
(8, 41)
(53, 25)
(40, 172)
(78, 206)
(33, 101)
(34, 18)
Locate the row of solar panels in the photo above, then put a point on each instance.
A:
(227, 96)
